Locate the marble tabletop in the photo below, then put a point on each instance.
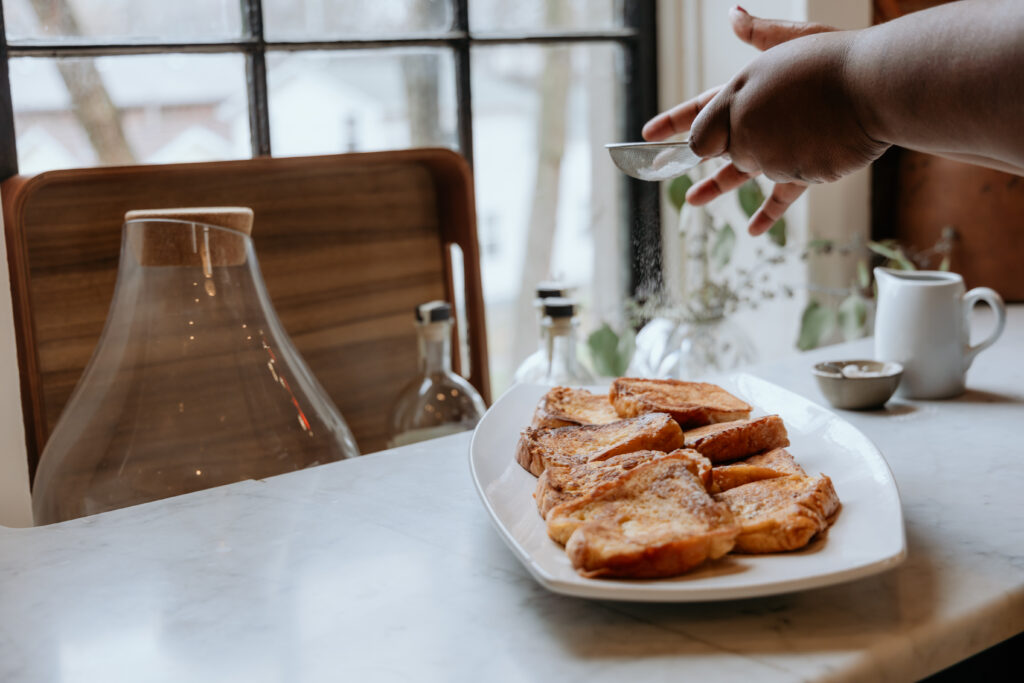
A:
(386, 568)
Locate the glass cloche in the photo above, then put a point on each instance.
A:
(194, 383)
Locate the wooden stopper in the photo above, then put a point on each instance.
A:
(157, 244)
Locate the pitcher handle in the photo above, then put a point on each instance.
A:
(992, 298)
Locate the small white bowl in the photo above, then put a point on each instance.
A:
(858, 384)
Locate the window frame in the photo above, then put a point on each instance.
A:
(637, 37)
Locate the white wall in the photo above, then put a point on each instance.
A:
(697, 50)
(15, 504)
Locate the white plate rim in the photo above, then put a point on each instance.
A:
(656, 591)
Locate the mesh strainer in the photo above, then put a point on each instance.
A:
(653, 160)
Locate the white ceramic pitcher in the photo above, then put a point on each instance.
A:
(923, 322)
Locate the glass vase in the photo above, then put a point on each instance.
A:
(194, 383)
(675, 348)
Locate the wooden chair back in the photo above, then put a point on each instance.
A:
(348, 245)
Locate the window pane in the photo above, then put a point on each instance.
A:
(327, 19)
(501, 16)
(325, 102)
(121, 20)
(549, 201)
(129, 109)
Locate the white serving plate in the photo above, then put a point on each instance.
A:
(866, 538)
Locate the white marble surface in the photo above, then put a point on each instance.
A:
(386, 568)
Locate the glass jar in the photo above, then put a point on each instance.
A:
(675, 348)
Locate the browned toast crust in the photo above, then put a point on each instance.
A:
(691, 404)
(561, 483)
(778, 459)
(774, 463)
(781, 514)
(662, 557)
(564, 406)
(698, 465)
(539, 448)
(727, 441)
(655, 520)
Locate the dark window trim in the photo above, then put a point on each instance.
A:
(8, 149)
(645, 262)
(463, 79)
(448, 39)
(256, 78)
(637, 37)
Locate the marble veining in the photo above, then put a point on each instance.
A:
(385, 568)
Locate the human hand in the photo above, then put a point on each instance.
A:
(787, 115)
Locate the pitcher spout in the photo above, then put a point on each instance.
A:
(883, 276)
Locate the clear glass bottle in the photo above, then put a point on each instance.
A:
(438, 402)
(556, 361)
(547, 289)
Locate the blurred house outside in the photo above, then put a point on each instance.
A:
(563, 205)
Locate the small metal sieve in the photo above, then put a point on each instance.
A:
(653, 160)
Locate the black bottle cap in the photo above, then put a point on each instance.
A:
(548, 289)
(558, 307)
(433, 312)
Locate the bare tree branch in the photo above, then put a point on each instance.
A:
(90, 101)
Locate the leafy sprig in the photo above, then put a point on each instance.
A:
(851, 316)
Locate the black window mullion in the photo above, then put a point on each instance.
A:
(8, 146)
(641, 96)
(463, 83)
(641, 104)
(256, 78)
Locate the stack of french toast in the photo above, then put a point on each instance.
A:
(660, 476)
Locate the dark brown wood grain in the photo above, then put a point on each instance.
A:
(982, 205)
(348, 245)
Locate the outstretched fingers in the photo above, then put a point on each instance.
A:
(677, 119)
(726, 178)
(782, 197)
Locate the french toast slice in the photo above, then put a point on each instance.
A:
(656, 520)
(725, 441)
(691, 404)
(775, 463)
(781, 514)
(564, 406)
(561, 484)
(540, 448)
(778, 459)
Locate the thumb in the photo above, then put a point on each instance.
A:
(766, 33)
(709, 134)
